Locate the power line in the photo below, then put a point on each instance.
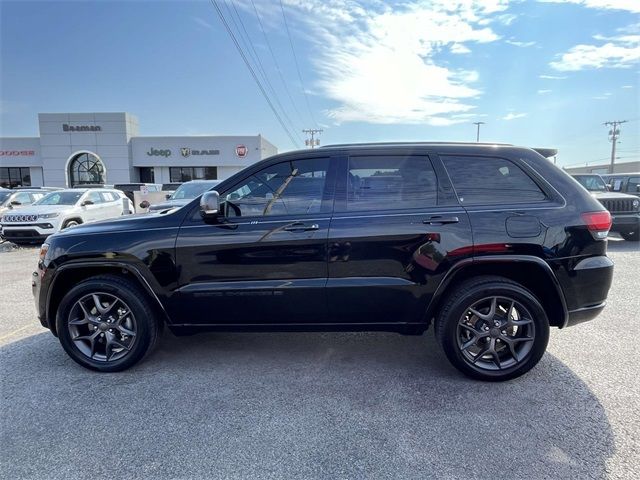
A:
(275, 62)
(295, 58)
(256, 59)
(252, 72)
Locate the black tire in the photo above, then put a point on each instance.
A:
(456, 328)
(631, 236)
(141, 321)
(72, 222)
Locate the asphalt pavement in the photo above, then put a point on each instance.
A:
(319, 405)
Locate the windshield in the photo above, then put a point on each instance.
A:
(60, 198)
(190, 190)
(593, 183)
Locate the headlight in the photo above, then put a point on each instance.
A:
(48, 215)
(44, 248)
(636, 204)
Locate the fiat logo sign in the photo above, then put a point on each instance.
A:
(241, 151)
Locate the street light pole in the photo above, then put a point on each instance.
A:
(478, 130)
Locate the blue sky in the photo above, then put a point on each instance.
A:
(539, 73)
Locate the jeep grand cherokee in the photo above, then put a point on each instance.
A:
(492, 245)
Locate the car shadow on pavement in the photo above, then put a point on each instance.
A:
(293, 405)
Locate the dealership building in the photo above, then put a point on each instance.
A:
(105, 148)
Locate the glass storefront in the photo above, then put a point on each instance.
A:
(11, 177)
(184, 174)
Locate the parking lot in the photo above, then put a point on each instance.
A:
(291, 405)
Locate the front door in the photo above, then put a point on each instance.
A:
(265, 261)
(395, 226)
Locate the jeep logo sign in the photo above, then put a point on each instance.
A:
(153, 152)
(241, 151)
(185, 152)
(81, 128)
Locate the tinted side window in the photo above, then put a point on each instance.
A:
(633, 186)
(390, 182)
(489, 180)
(288, 188)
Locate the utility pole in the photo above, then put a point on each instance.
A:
(478, 130)
(614, 133)
(312, 142)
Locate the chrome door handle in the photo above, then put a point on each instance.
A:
(301, 227)
(438, 220)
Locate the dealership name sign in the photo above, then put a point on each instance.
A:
(81, 128)
(17, 153)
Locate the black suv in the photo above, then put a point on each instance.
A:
(490, 244)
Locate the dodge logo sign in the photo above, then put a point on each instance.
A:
(241, 151)
(185, 152)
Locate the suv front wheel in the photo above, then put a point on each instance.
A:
(106, 323)
(493, 329)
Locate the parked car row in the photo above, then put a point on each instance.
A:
(624, 208)
(49, 212)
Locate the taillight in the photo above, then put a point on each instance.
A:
(598, 223)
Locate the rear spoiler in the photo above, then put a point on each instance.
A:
(546, 152)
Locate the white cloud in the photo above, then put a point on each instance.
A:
(552, 77)
(543, 92)
(459, 48)
(513, 116)
(380, 65)
(520, 44)
(621, 51)
(629, 5)
(627, 86)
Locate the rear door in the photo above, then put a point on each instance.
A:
(395, 224)
(95, 211)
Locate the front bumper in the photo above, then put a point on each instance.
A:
(625, 222)
(28, 232)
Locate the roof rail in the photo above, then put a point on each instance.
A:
(373, 144)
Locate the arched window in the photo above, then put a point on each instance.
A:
(85, 168)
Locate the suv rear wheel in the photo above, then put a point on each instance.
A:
(491, 328)
(106, 323)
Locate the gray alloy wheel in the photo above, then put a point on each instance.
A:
(492, 328)
(102, 327)
(496, 333)
(107, 323)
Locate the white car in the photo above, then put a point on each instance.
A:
(63, 209)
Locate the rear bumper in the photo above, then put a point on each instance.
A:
(585, 285)
(584, 314)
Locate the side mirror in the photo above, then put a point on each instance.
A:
(86, 202)
(210, 204)
(167, 196)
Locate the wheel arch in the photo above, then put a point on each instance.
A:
(531, 272)
(67, 276)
